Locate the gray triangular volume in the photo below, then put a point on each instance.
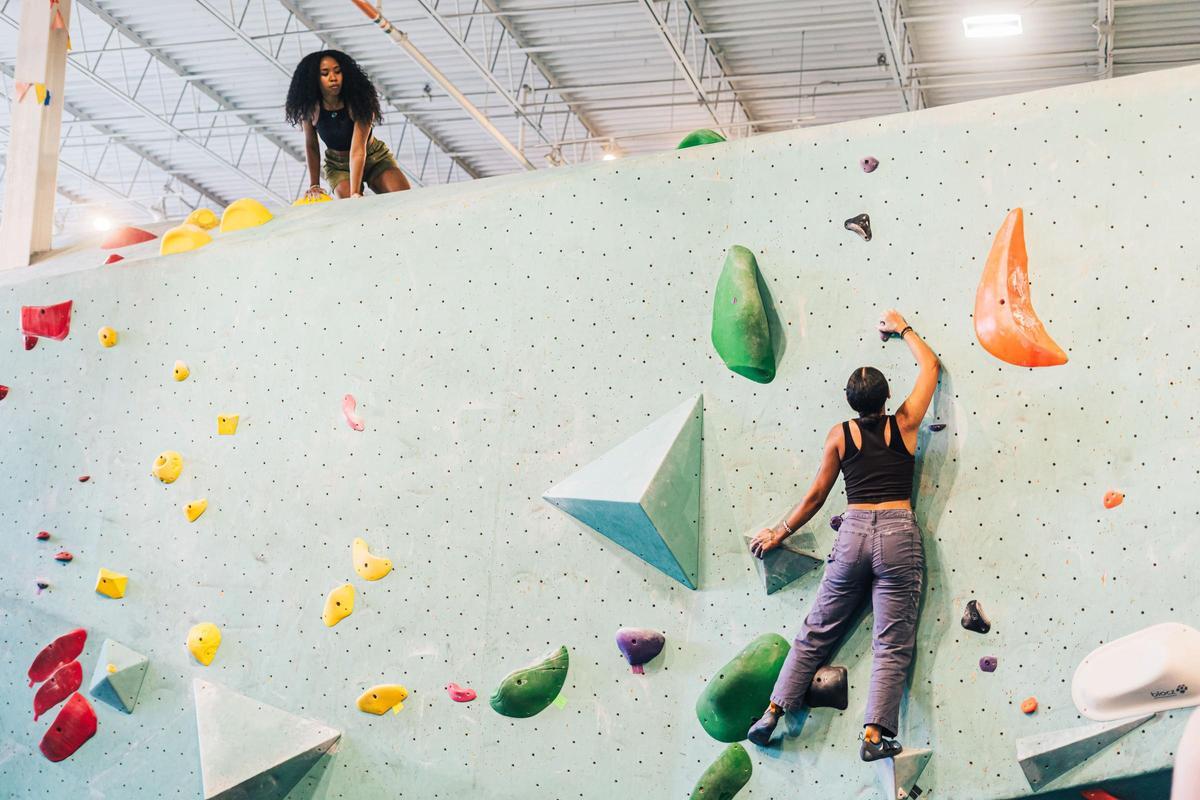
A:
(644, 494)
(1048, 755)
(784, 564)
(899, 775)
(118, 677)
(250, 750)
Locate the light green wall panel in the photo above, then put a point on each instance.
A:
(501, 334)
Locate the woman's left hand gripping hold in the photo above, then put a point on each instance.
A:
(767, 540)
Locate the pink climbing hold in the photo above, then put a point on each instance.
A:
(459, 694)
(348, 406)
(114, 258)
(84, 478)
(47, 322)
(126, 236)
(30, 342)
(43, 536)
(64, 556)
(3, 391)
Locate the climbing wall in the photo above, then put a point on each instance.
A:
(500, 335)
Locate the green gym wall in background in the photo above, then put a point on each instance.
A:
(500, 334)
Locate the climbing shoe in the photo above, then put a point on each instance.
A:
(760, 732)
(886, 748)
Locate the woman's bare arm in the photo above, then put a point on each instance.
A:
(831, 462)
(912, 410)
(312, 154)
(358, 156)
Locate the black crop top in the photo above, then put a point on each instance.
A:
(877, 472)
(335, 128)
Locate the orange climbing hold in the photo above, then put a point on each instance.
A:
(1112, 499)
(1029, 705)
(1005, 322)
(126, 236)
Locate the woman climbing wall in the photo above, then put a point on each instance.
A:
(332, 98)
(878, 551)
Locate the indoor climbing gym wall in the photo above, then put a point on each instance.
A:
(297, 503)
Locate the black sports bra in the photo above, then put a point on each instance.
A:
(335, 128)
(877, 471)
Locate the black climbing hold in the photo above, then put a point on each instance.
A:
(829, 689)
(937, 426)
(988, 663)
(835, 521)
(868, 164)
(974, 619)
(860, 225)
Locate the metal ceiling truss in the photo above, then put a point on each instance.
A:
(899, 53)
(1106, 35)
(422, 144)
(683, 35)
(515, 77)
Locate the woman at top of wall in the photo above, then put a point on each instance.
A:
(878, 552)
(334, 99)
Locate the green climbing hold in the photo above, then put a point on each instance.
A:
(739, 328)
(529, 690)
(739, 692)
(702, 136)
(726, 776)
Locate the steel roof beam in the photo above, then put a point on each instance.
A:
(1106, 36)
(894, 33)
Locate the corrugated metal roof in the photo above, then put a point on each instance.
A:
(178, 103)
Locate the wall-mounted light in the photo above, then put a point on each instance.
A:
(990, 26)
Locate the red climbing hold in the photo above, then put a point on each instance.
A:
(30, 342)
(124, 237)
(84, 478)
(114, 258)
(3, 391)
(43, 535)
(1029, 705)
(64, 556)
(46, 322)
(73, 726)
(62, 650)
(1113, 499)
(459, 694)
(65, 680)
(1097, 794)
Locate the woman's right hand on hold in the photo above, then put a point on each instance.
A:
(314, 192)
(892, 322)
(767, 540)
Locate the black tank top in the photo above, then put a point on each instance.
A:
(877, 472)
(335, 128)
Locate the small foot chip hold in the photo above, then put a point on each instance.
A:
(114, 258)
(368, 567)
(379, 699)
(988, 663)
(30, 342)
(3, 391)
(349, 404)
(244, 213)
(111, 584)
(726, 776)
(167, 466)
(43, 536)
(74, 725)
(65, 680)
(639, 646)
(529, 690)
(460, 694)
(84, 478)
(202, 218)
(47, 322)
(699, 137)
(62, 650)
(203, 641)
(1097, 794)
(194, 509)
(1112, 499)
(338, 605)
(42, 585)
(937, 426)
(974, 619)
(1029, 705)
(227, 424)
(860, 225)
(869, 164)
(180, 371)
(107, 336)
(64, 557)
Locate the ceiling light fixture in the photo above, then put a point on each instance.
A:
(101, 223)
(990, 26)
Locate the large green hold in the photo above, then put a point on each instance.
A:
(696, 138)
(739, 328)
(738, 694)
(726, 776)
(529, 690)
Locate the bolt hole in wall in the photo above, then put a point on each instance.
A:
(499, 337)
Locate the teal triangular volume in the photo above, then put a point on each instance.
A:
(1048, 755)
(784, 564)
(120, 685)
(899, 775)
(252, 750)
(644, 494)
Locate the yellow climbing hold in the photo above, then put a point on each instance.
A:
(180, 371)
(369, 567)
(202, 218)
(108, 337)
(195, 509)
(227, 424)
(167, 466)
(244, 213)
(111, 584)
(203, 641)
(111, 668)
(378, 699)
(308, 201)
(183, 238)
(339, 605)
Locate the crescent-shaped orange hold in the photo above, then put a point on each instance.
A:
(1005, 322)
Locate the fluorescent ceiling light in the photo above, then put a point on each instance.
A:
(990, 26)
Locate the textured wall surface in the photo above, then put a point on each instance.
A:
(500, 334)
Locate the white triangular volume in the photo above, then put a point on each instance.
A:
(1046, 756)
(898, 776)
(252, 750)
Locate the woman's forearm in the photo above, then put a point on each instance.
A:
(312, 155)
(921, 351)
(802, 513)
(358, 162)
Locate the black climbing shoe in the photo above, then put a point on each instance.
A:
(760, 732)
(887, 748)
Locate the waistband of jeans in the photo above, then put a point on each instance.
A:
(883, 513)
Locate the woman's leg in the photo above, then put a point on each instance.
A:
(342, 189)
(894, 598)
(389, 180)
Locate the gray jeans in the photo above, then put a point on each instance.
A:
(879, 552)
